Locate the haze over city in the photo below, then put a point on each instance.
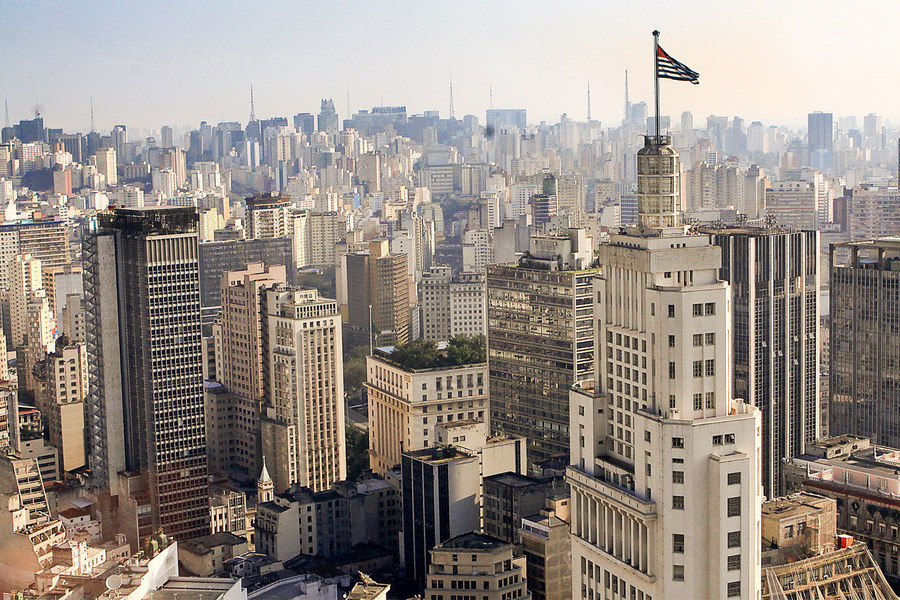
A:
(150, 63)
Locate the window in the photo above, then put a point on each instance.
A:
(581, 411)
(678, 502)
(671, 311)
(698, 401)
(671, 400)
(646, 436)
(698, 339)
(734, 478)
(710, 308)
(734, 506)
(729, 438)
(671, 341)
(734, 589)
(710, 367)
(698, 368)
(789, 532)
(678, 543)
(710, 399)
(698, 310)
(671, 370)
(734, 562)
(677, 442)
(717, 440)
(678, 572)
(711, 339)
(677, 476)
(734, 539)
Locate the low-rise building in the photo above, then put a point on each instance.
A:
(207, 555)
(472, 565)
(508, 497)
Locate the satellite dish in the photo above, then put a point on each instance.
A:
(113, 582)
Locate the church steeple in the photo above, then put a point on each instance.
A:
(265, 489)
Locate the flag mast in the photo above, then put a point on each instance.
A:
(656, 77)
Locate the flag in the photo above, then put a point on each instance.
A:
(669, 68)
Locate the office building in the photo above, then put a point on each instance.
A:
(821, 139)
(442, 494)
(25, 284)
(451, 304)
(378, 288)
(664, 471)
(64, 384)
(328, 119)
(474, 564)
(107, 166)
(873, 212)
(268, 216)
(865, 341)
(408, 403)
(509, 497)
(145, 413)
(540, 339)
(240, 366)
(303, 418)
(219, 257)
(775, 285)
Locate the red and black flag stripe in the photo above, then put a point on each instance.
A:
(669, 68)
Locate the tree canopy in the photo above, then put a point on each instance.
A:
(424, 354)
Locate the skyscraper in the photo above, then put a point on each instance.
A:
(821, 139)
(865, 341)
(145, 400)
(378, 285)
(774, 277)
(540, 339)
(303, 422)
(328, 118)
(664, 475)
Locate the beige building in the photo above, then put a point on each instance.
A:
(378, 285)
(474, 565)
(802, 519)
(106, 165)
(406, 405)
(548, 551)
(239, 366)
(25, 279)
(303, 422)
(65, 386)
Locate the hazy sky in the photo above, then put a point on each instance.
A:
(151, 63)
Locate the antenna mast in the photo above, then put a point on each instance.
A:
(451, 97)
(627, 102)
(93, 129)
(589, 101)
(252, 107)
(6, 112)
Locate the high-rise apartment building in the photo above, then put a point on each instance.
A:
(378, 286)
(268, 216)
(25, 282)
(451, 304)
(106, 166)
(241, 364)
(865, 341)
(665, 465)
(303, 421)
(65, 385)
(540, 339)
(146, 430)
(775, 285)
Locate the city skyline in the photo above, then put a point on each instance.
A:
(187, 64)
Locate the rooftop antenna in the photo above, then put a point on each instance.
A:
(252, 106)
(93, 129)
(451, 97)
(6, 112)
(349, 114)
(627, 102)
(589, 101)
(491, 95)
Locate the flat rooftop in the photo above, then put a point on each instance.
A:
(472, 541)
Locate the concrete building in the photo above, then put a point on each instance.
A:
(406, 405)
(25, 282)
(873, 212)
(473, 564)
(796, 205)
(547, 547)
(378, 290)
(240, 366)
(540, 339)
(65, 382)
(303, 418)
(509, 497)
(865, 340)
(442, 494)
(44, 238)
(451, 305)
(775, 285)
(142, 298)
(268, 216)
(330, 523)
(217, 258)
(664, 471)
(107, 166)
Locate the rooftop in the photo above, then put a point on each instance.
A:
(472, 541)
(513, 479)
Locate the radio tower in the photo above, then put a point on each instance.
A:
(451, 97)
(93, 129)
(627, 102)
(589, 101)
(6, 112)
(252, 107)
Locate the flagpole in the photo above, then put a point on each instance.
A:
(656, 77)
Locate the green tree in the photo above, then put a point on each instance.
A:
(466, 350)
(417, 354)
(357, 451)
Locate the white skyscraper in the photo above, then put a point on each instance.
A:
(665, 465)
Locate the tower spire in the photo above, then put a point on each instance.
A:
(627, 101)
(6, 112)
(451, 96)
(589, 101)
(252, 107)
(491, 95)
(93, 128)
